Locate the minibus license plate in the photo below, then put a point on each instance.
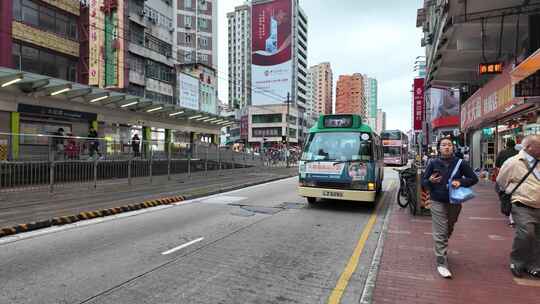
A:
(332, 194)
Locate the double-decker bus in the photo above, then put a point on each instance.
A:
(342, 159)
(395, 147)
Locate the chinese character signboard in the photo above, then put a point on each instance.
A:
(271, 51)
(106, 43)
(490, 68)
(418, 103)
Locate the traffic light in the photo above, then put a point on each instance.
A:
(284, 139)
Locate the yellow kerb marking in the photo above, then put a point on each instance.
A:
(343, 282)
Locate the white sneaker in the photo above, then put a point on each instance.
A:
(444, 272)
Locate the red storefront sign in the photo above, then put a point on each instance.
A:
(418, 103)
(495, 98)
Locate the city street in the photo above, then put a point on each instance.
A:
(261, 244)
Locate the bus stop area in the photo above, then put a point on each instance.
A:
(478, 255)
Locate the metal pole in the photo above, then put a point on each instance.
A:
(169, 161)
(206, 162)
(151, 163)
(219, 160)
(189, 160)
(130, 162)
(287, 131)
(95, 171)
(51, 176)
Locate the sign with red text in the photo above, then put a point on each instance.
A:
(418, 103)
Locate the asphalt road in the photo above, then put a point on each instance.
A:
(261, 244)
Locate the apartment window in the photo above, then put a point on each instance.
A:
(187, 39)
(45, 18)
(203, 41)
(203, 5)
(203, 23)
(29, 12)
(136, 33)
(157, 45)
(39, 61)
(267, 118)
(158, 71)
(136, 63)
(187, 21)
(187, 3)
(135, 90)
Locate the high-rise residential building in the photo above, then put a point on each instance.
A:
(239, 50)
(381, 121)
(320, 86)
(370, 92)
(150, 56)
(196, 27)
(350, 97)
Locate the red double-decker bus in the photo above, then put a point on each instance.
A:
(395, 147)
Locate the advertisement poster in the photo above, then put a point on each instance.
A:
(271, 52)
(444, 107)
(188, 88)
(418, 103)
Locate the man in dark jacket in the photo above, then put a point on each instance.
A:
(444, 215)
(505, 154)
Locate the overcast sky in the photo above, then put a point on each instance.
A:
(378, 38)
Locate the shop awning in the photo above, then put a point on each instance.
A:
(42, 85)
(526, 68)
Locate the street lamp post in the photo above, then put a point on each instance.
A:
(287, 130)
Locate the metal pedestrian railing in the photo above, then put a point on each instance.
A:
(52, 161)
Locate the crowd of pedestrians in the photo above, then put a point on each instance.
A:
(518, 175)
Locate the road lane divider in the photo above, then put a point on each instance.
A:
(86, 215)
(182, 246)
(352, 264)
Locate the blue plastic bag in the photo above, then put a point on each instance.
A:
(460, 194)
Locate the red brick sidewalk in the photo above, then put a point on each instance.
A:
(478, 257)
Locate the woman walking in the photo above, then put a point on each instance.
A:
(444, 214)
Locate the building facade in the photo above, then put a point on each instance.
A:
(381, 121)
(370, 92)
(321, 81)
(196, 29)
(106, 64)
(239, 23)
(350, 97)
(151, 54)
(495, 102)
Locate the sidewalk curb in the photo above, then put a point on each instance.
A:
(86, 215)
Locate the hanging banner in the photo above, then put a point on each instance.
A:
(418, 103)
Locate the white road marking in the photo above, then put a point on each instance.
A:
(495, 237)
(488, 218)
(182, 246)
(399, 232)
(224, 199)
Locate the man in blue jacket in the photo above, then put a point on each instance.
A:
(444, 215)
